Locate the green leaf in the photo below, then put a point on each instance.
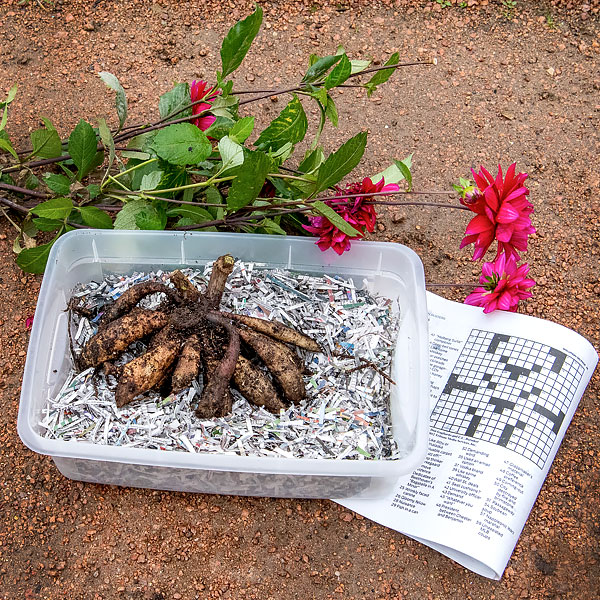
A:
(220, 128)
(12, 93)
(126, 218)
(224, 107)
(151, 217)
(339, 74)
(150, 181)
(406, 172)
(93, 190)
(359, 65)
(242, 129)
(33, 260)
(312, 160)
(319, 68)
(249, 181)
(393, 174)
(94, 217)
(120, 99)
(238, 41)
(290, 126)
(340, 163)
(57, 208)
(196, 214)
(270, 226)
(173, 100)
(182, 144)
(46, 142)
(280, 156)
(142, 142)
(335, 219)
(32, 182)
(232, 154)
(383, 75)
(44, 224)
(6, 145)
(135, 154)
(331, 111)
(83, 149)
(213, 196)
(59, 184)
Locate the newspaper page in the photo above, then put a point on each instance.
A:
(504, 388)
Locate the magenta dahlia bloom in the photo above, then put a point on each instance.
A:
(502, 213)
(353, 210)
(199, 90)
(504, 284)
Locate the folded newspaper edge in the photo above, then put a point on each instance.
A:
(504, 388)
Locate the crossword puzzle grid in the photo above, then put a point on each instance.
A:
(510, 391)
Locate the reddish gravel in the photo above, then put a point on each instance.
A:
(522, 89)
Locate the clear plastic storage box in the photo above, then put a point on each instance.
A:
(84, 255)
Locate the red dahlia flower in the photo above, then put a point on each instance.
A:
(199, 90)
(502, 213)
(504, 284)
(353, 210)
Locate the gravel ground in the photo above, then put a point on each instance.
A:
(508, 87)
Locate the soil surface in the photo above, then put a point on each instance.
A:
(516, 84)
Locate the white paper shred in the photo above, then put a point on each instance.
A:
(346, 412)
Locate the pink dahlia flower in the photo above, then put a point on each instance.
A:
(353, 210)
(199, 90)
(502, 213)
(504, 284)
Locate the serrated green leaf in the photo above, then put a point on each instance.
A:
(383, 75)
(249, 181)
(393, 174)
(174, 100)
(359, 65)
(335, 219)
(6, 145)
(120, 98)
(331, 111)
(32, 182)
(182, 144)
(83, 149)
(320, 67)
(290, 126)
(126, 216)
(44, 224)
(339, 74)
(46, 142)
(150, 181)
(242, 129)
(232, 154)
(151, 218)
(406, 172)
(33, 260)
(220, 128)
(312, 160)
(340, 163)
(94, 217)
(57, 208)
(59, 184)
(238, 40)
(196, 214)
(225, 107)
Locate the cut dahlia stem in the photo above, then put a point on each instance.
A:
(221, 270)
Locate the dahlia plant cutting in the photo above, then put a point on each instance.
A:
(202, 166)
